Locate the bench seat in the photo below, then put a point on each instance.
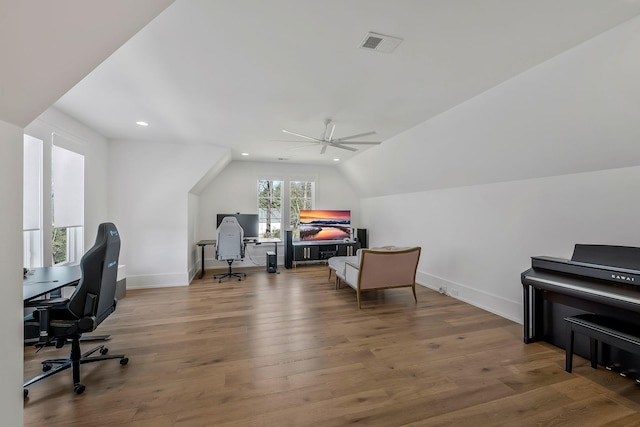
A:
(616, 333)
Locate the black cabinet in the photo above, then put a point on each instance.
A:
(319, 251)
(306, 252)
(348, 249)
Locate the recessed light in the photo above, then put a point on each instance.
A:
(336, 160)
(244, 154)
(141, 123)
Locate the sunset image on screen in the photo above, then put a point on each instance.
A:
(324, 215)
(325, 224)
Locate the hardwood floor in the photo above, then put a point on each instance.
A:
(289, 350)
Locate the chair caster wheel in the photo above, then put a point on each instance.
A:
(104, 350)
(46, 367)
(78, 388)
(25, 393)
(240, 280)
(124, 361)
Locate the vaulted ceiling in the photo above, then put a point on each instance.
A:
(235, 73)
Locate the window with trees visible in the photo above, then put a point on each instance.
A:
(67, 202)
(270, 208)
(53, 228)
(301, 197)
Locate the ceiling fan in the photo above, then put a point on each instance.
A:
(329, 141)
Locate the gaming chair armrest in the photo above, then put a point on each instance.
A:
(87, 324)
(47, 303)
(43, 308)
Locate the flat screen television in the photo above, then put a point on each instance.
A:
(248, 222)
(325, 224)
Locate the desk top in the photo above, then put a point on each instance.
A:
(41, 281)
(259, 240)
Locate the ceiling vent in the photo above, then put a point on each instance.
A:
(380, 42)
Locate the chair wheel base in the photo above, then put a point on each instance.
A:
(78, 388)
(124, 361)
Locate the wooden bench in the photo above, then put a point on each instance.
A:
(614, 332)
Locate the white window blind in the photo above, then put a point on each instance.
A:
(67, 170)
(32, 184)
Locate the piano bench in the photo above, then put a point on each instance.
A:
(614, 332)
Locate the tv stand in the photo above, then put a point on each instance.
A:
(318, 251)
(323, 250)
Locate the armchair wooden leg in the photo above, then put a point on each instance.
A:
(359, 302)
(414, 293)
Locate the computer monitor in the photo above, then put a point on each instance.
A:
(248, 222)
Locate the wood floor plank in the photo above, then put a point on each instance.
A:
(289, 350)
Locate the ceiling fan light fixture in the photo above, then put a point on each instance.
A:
(327, 139)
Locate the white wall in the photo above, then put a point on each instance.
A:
(477, 240)
(531, 167)
(11, 151)
(235, 190)
(192, 232)
(149, 197)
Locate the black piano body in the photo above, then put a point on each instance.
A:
(600, 279)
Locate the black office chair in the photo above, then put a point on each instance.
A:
(229, 246)
(65, 320)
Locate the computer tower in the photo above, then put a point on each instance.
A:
(272, 262)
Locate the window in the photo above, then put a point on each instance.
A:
(301, 197)
(53, 202)
(32, 202)
(67, 201)
(269, 207)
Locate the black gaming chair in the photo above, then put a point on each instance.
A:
(65, 320)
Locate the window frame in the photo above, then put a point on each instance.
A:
(294, 215)
(265, 213)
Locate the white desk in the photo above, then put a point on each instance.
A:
(203, 243)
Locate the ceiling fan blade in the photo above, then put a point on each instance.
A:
(361, 142)
(302, 136)
(324, 148)
(344, 147)
(302, 147)
(333, 128)
(294, 140)
(354, 136)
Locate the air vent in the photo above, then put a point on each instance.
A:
(371, 42)
(380, 42)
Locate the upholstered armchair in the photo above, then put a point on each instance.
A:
(376, 269)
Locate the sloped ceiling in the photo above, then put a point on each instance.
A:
(46, 47)
(577, 112)
(234, 73)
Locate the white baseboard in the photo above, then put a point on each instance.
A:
(495, 304)
(157, 281)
